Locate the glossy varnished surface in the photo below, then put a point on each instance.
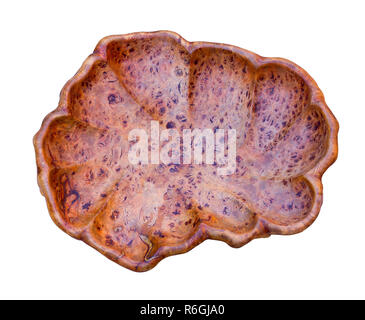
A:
(137, 215)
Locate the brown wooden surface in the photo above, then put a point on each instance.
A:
(137, 215)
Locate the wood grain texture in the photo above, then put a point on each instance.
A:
(138, 215)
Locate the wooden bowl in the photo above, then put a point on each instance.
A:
(138, 214)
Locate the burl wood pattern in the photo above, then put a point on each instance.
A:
(137, 215)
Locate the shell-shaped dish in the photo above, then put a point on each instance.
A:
(136, 215)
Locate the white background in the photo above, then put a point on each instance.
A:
(44, 43)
